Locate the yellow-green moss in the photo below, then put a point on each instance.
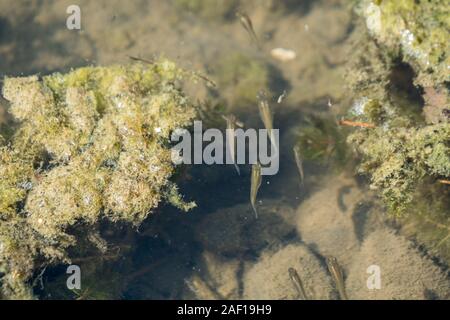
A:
(418, 29)
(92, 144)
(398, 160)
(16, 174)
(407, 153)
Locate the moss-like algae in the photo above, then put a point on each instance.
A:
(322, 141)
(418, 30)
(406, 149)
(92, 144)
(400, 159)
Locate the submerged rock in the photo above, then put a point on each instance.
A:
(86, 149)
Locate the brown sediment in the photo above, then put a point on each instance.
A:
(339, 238)
(415, 276)
(268, 278)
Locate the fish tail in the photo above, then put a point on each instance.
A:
(254, 209)
(256, 41)
(237, 169)
(272, 141)
(253, 37)
(343, 294)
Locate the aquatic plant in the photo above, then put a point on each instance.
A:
(418, 30)
(428, 219)
(91, 145)
(406, 146)
(417, 33)
(399, 76)
(399, 159)
(322, 141)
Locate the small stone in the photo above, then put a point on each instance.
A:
(283, 55)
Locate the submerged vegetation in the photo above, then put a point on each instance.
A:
(399, 76)
(400, 159)
(322, 141)
(418, 30)
(405, 147)
(91, 145)
(399, 126)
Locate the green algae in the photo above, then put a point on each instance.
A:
(90, 145)
(406, 152)
(404, 148)
(398, 160)
(418, 30)
(322, 141)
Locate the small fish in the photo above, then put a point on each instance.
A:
(255, 184)
(298, 284)
(231, 138)
(266, 115)
(248, 26)
(282, 96)
(338, 277)
(147, 61)
(264, 110)
(299, 163)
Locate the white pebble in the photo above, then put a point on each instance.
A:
(284, 55)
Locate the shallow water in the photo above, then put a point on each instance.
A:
(219, 249)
